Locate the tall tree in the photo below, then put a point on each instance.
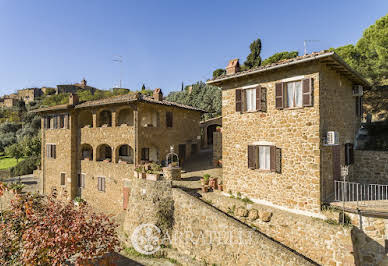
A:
(254, 59)
(143, 88)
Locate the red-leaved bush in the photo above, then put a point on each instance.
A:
(41, 230)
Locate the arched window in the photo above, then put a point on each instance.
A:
(104, 152)
(86, 152)
(105, 118)
(125, 117)
(85, 119)
(124, 154)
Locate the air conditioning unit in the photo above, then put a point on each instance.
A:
(332, 138)
(358, 91)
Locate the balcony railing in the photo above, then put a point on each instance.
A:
(351, 191)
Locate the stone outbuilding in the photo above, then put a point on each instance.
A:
(90, 149)
(276, 119)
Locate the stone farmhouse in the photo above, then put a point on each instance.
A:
(8, 102)
(30, 94)
(275, 122)
(73, 88)
(90, 149)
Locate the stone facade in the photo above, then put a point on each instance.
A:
(217, 148)
(30, 94)
(9, 102)
(98, 144)
(304, 171)
(370, 167)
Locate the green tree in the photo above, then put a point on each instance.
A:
(202, 96)
(143, 88)
(15, 150)
(218, 72)
(254, 59)
(373, 49)
(279, 56)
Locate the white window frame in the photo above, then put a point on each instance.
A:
(266, 159)
(250, 99)
(294, 94)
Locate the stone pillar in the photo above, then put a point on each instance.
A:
(94, 114)
(114, 119)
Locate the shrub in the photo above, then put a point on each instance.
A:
(25, 167)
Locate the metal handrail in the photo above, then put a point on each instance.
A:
(351, 191)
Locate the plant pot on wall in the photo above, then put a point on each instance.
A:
(152, 177)
(213, 183)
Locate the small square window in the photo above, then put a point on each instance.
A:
(63, 179)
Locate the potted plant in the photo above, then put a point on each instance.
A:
(205, 179)
(205, 188)
(213, 182)
(153, 172)
(221, 186)
(137, 172)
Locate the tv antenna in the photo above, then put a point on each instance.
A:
(305, 44)
(119, 59)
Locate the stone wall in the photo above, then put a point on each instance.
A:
(217, 147)
(326, 244)
(295, 131)
(337, 113)
(200, 230)
(370, 167)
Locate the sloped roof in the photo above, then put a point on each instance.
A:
(328, 57)
(127, 98)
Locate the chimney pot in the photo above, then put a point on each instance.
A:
(158, 94)
(233, 67)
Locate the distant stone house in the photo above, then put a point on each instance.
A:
(9, 102)
(275, 120)
(90, 149)
(73, 88)
(30, 94)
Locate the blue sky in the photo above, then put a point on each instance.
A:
(45, 43)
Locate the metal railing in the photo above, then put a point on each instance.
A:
(351, 191)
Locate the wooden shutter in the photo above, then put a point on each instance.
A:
(99, 184)
(349, 156)
(45, 122)
(307, 89)
(103, 184)
(169, 119)
(82, 180)
(252, 157)
(272, 158)
(263, 99)
(63, 179)
(238, 100)
(48, 150)
(258, 98)
(278, 160)
(279, 91)
(54, 151)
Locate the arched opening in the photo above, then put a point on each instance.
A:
(125, 117)
(124, 154)
(104, 153)
(86, 152)
(85, 119)
(105, 119)
(210, 130)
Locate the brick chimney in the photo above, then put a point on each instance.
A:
(158, 94)
(233, 67)
(73, 99)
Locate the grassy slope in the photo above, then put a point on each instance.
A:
(6, 162)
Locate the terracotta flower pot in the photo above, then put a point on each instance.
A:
(153, 177)
(213, 183)
(221, 187)
(205, 189)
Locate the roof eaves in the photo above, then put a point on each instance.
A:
(276, 66)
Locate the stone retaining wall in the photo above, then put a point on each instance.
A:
(370, 167)
(217, 147)
(200, 230)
